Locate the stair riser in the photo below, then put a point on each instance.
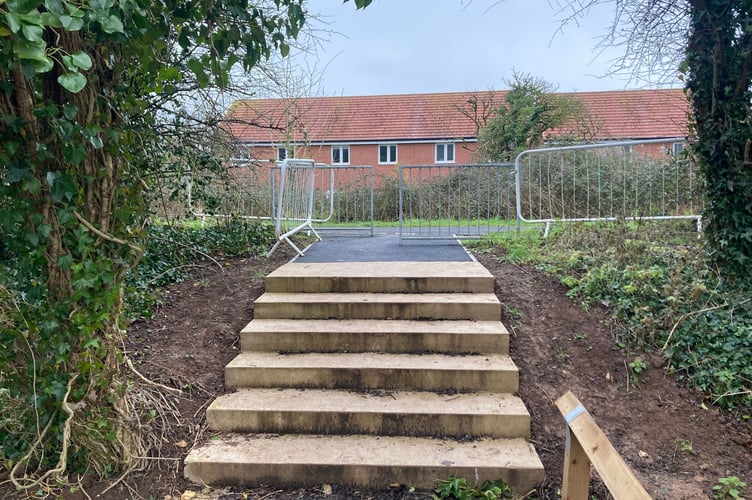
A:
(365, 378)
(335, 423)
(353, 475)
(374, 310)
(397, 342)
(378, 285)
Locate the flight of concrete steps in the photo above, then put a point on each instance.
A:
(367, 374)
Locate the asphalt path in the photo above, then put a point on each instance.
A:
(383, 247)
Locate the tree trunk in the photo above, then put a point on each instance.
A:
(719, 58)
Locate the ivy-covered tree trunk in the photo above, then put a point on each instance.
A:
(81, 84)
(64, 161)
(719, 58)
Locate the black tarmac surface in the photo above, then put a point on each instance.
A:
(383, 248)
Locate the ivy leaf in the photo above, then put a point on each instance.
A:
(54, 6)
(28, 49)
(96, 142)
(47, 19)
(32, 238)
(73, 82)
(70, 111)
(14, 21)
(81, 60)
(14, 174)
(101, 4)
(64, 262)
(32, 32)
(74, 153)
(22, 6)
(73, 11)
(62, 187)
(42, 66)
(71, 23)
(112, 24)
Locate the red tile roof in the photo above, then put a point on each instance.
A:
(626, 114)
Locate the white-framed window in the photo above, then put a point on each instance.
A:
(340, 155)
(445, 152)
(281, 153)
(677, 148)
(387, 153)
(628, 149)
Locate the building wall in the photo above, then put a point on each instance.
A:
(368, 154)
(413, 154)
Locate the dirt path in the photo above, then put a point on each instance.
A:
(677, 448)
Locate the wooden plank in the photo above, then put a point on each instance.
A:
(615, 473)
(576, 482)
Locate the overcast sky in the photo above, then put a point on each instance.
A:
(415, 46)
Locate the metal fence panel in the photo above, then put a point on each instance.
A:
(629, 180)
(455, 201)
(294, 202)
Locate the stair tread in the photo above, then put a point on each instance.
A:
(376, 270)
(387, 361)
(365, 326)
(377, 298)
(362, 449)
(406, 402)
(353, 459)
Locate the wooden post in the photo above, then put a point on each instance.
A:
(586, 444)
(576, 482)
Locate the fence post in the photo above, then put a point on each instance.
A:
(586, 443)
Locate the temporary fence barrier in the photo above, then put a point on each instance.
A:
(342, 199)
(294, 201)
(628, 180)
(455, 201)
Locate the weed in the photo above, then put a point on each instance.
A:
(636, 368)
(686, 446)
(579, 336)
(728, 487)
(512, 312)
(460, 489)
(562, 355)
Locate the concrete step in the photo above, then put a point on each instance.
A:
(362, 371)
(361, 461)
(398, 413)
(299, 335)
(402, 277)
(403, 306)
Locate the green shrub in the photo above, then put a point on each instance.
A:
(172, 250)
(664, 296)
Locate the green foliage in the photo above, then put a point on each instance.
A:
(719, 80)
(87, 88)
(530, 109)
(636, 368)
(461, 489)
(172, 250)
(729, 487)
(664, 297)
(524, 248)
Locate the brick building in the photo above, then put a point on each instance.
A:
(426, 129)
